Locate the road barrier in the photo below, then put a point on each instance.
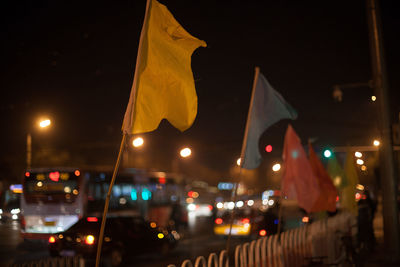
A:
(54, 262)
(318, 241)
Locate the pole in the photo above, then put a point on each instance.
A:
(28, 151)
(103, 221)
(387, 170)
(234, 197)
(242, 158)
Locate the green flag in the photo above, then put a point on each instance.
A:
(336, 173)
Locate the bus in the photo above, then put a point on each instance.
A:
(54, 199)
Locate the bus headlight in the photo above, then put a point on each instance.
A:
(14, 217)
(15, 211)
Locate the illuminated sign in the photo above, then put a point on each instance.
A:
(16, 188)
(40, 177)
(64, 176)
(225, 186)
(54, 176)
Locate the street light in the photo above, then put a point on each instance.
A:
(276, 167)
(138, 142)
(43, 123)
(376, 143)
(185, 152)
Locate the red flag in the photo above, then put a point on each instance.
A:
(298, 180)
(328, 192)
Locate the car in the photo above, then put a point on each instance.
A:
(246, 223)
(123, 236)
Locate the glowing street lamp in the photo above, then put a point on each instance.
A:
(239, 160)
(43, 123)
(185, 152)
(360, 162)
(138, 142)
(358, 154)
(376, 142)
(276, 167)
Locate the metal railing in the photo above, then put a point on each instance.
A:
(76, 261)
(294, 247)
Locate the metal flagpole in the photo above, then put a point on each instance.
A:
(131, 106)
(242, 158)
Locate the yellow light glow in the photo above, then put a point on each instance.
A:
(160, 235)
(195, 195)
(239, 160)
(189, 200)
(360, 187)
(67, 189)
(376, 143)
(138, 142)
(75, 192)
(44, 123)
(186, 152)
(153, 225)
(358, 154)
(373, 98)
(360, 162)
(276, 167)
(363, 168)
(39, 184)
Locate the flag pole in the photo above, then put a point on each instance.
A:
(127, 121)
(103, 221)
(233, 211)
(242, 159)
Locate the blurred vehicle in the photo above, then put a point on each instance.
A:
(10, 207)
(53, 199)
(200, 209)
(246, 223)
(123, 236)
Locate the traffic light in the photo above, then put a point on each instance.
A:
(268, 148)
(327, 153)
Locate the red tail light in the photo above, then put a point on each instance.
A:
(218, 221)
(92, 219)
(245, 220)
(262, 232)
(210, 207)
(89, 240)
(52, 239)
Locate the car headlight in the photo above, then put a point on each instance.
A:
(1, 211)
(15, 211)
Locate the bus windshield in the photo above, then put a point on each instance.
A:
(51, 186)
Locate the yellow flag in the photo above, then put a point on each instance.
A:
(348, 193)
(163, 86)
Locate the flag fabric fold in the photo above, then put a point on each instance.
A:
(328, 193)
(267, 107)
(336, 173)
(163, 86)
(298, 180)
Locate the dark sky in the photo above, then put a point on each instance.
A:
(75, 61)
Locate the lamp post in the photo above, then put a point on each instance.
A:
(388, 171)
(44, 123)
(183, 153)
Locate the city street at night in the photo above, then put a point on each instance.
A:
(184, 133)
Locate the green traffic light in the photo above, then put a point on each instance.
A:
(327, 153)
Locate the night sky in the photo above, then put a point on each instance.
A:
(75, 62)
